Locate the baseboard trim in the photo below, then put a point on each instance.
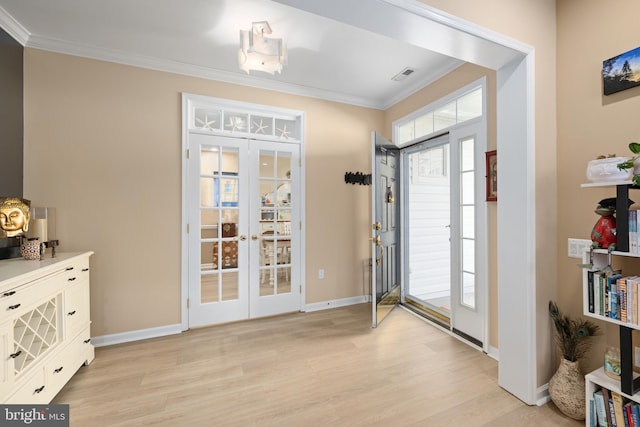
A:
(494, 353)
(542, 395)
(343, 302)
(141, 334)
(161, 331)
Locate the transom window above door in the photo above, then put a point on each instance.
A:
(458, 108)
(227, 118)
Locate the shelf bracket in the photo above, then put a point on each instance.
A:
(628, 385)
(622, 217)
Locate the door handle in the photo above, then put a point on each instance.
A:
(254, 237)
(377, 226)
(243, 237)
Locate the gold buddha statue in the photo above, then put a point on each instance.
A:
(15, 214)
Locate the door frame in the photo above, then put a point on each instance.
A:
(189, 102)
(453, 135)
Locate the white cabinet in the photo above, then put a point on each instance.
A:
(44, 325)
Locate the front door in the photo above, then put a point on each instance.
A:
(243, 196)
(385, 202)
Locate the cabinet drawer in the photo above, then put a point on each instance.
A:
(76, 308)
(60, 370)
(17, 301)
(33, 390)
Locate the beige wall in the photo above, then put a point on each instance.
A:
(461, 77)
(102, 145)
(590, 124)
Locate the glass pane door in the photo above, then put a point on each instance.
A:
(218, 250)
(277, 208)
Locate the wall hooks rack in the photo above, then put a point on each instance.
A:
(357, 178)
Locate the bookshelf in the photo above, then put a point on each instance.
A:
(629, 384)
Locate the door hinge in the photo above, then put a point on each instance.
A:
(300, 288)
(187, 302)
(187, 228)
(188, 153)
(300, 225)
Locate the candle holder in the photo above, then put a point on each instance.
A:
(43, 227)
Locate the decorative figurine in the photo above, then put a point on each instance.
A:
(15, 214)
(604, 232)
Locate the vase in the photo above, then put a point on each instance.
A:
(566, 389)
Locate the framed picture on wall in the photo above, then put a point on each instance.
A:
(492, 176)
(621, 72)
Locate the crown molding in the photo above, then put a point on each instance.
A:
(176, 67)
(13, 28)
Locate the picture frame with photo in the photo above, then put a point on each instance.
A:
(492, 176)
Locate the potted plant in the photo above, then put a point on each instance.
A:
(566, 387)
(634, 147)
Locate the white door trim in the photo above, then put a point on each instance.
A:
(514, 63)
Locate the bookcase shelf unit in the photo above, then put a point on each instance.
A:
(629, 384)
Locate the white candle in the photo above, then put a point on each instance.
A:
(40, 229)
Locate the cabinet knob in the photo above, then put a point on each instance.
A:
(16, 354)
(85, 269)
(87, 341)
(8, 294)
(71, 313)
(69, 268)
(71, 279)
(57, 371)
(13, 307)
(38, 390)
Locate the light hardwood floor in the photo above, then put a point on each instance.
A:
(327, 368)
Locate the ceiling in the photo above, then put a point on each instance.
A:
(327, 58)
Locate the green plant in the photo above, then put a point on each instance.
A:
(571, 334)
(634, 147)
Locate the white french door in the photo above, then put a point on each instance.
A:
(242, 199)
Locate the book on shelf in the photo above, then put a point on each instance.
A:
(590, 291)
(612, 413)
(612, 287)
(600, 409)
(617, 408)
(633, 231)
(622, 299)
(635, 415)
(608, 404)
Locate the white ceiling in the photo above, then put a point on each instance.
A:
(326, 58)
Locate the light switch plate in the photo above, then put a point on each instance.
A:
(577, 247)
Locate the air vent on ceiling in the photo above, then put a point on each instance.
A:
(403, 74)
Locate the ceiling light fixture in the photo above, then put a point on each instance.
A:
(261, 53)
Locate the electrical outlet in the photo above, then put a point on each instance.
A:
(321, 274)
(577, 247)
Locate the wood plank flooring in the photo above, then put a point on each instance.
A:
(327, 368)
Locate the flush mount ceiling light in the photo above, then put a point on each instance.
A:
(261, 53)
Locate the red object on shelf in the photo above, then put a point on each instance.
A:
(604, 232)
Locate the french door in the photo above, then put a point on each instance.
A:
(243, 249)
